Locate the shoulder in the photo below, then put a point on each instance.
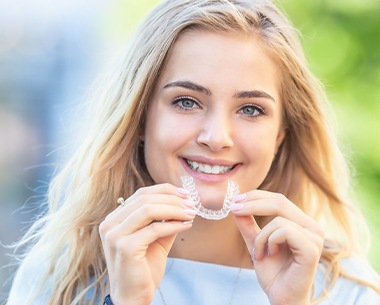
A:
(28, 281)
(354, 287)
(358, 267)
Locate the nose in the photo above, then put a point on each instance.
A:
(216, 132)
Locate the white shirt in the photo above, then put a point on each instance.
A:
(195, 283)
(188, 283)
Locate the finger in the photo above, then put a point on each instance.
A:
(166, 237)
(163, 188)
(142, 217)
(135, 245)
(305, 251)
(132, 205)
(161, 231)
(264, 203)
(304, 245)
(170, 195)
(148, 213)
(249, 229)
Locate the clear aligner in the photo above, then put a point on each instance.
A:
(232, 190)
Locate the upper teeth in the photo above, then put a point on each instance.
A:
(209, 169)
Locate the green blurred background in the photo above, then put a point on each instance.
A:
(51, 52)
(342, 43)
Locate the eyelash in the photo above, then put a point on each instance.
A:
(255, 107)
(176, 103)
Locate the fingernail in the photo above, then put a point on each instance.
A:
(190, 212)
(188, 222)
(237, 206)
(188, 203)
(182, 191)
(253, 255)
(239, 197)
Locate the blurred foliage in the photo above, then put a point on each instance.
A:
(341, 39)
(342, 43)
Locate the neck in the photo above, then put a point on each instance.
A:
(210, 241)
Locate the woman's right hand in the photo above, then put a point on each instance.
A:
(137, 238)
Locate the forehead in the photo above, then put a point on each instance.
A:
(220, 57)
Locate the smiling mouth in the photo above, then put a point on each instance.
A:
(208, 168)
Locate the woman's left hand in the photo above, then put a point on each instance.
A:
(286, 251)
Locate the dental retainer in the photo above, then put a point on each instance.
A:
(232, 191)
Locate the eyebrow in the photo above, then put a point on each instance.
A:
(253, 94)
(206, 91)
(189, 85)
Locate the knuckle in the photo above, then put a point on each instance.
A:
(320, 243)
(103, 227)
(140, 191)
(110, 238)
(142, 197)
(280, 197)
(278, 221)
(280, 234)
(259, 241)
(146, 210)
(315, 253)
(154, 228)
(167, 186)
(320, 231)
(281, 202)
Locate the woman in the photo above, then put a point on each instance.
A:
(214, 91)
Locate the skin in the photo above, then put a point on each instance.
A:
(217, 102)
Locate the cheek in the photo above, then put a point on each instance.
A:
(164, 133)
(155, 154)
(259, 141)
(258, 149)
(164, 138)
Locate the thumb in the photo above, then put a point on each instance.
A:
(248, 228)
(167, 242)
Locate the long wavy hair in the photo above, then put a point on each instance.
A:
(309, 168)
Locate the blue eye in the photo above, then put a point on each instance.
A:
(252, 110)
(185, 103)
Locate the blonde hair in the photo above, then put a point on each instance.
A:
(309, 168)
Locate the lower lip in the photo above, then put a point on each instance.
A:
(211, 178)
